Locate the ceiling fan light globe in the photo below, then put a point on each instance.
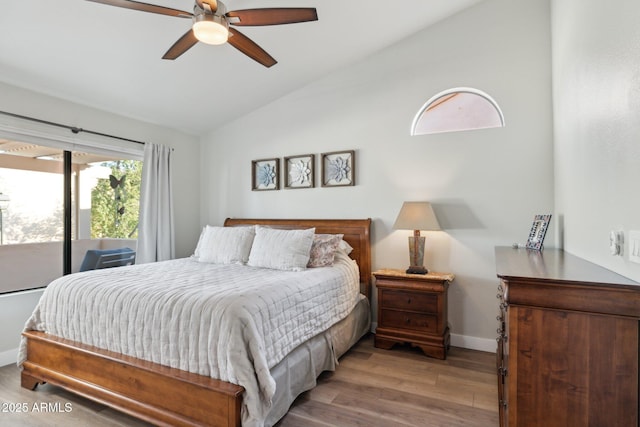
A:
(211, 31)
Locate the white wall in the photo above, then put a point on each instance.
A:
(596, 91)
(15, 309)
(186, 161)
(485, 185)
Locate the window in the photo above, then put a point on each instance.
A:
(455, 110)
(32, 189)
(104, 195)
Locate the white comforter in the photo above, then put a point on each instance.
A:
(230, 322)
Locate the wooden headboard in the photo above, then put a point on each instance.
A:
(356, 233)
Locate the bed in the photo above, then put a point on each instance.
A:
(170, 396)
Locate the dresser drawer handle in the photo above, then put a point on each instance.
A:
(407, 320)
(409, 300)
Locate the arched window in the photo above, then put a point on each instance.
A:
(457, 109)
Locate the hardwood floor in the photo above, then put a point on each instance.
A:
(371, 387)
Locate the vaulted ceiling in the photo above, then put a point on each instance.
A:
(110, 58)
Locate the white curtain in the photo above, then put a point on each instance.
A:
(156, 233)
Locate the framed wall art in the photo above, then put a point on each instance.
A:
(538, 231)
(265, 174)
(338, 168)
(299, 171)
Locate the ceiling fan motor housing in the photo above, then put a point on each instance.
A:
(210, 27)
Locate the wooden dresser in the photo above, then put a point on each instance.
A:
(567, 341)
(412, 308)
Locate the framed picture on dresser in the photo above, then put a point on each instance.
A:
(538, 231)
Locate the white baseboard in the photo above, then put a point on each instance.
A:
(474, 343)
(464, 341)
(8, 357)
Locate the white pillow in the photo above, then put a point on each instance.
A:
(225, 245)
(196, 253)
(281, 249)
(345, 247)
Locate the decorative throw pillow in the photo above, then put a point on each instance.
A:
(281, 249)
(323, 249)
(225, 245)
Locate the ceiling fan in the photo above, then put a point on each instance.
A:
(211, 24)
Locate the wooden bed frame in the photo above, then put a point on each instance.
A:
(158, 394)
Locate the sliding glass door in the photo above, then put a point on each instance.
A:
(101, 195)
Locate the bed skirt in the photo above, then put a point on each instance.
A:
(298, 372)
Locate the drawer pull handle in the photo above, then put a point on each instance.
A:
(407, 320)
(408, 300)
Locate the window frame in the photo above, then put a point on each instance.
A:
(437, 97)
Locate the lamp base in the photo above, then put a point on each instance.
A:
(416, 270)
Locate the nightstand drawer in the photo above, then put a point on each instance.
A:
(414, 301)
(408, 320)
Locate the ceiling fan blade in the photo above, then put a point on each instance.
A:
(183, 44)
(273, 16)
(145, 7)
(247, 46)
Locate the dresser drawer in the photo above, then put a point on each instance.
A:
(413, 301)
(408, 320)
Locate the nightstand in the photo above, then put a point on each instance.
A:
(412, 308)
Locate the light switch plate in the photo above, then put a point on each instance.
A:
(634, 246)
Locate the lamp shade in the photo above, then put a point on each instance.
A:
(417, 216)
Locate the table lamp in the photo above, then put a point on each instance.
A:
(416, 216)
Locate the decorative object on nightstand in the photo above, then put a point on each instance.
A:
(412, 308)
(416, 216)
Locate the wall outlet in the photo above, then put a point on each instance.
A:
(634, 246)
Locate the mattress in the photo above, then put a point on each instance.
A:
(230, 322)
